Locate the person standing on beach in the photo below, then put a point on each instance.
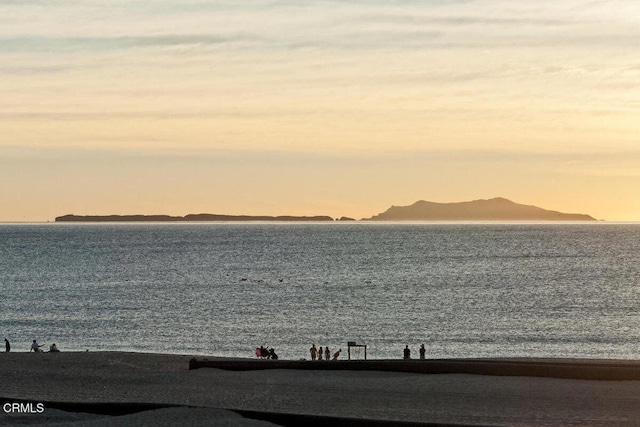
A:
(423, 351)
(327, 353)
(7, 346)
(407, 353)
(314, 351)
(320, 354)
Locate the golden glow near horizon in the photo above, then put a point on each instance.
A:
(317, 107)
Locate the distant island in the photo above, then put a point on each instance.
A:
(497, 209)
(188, 218)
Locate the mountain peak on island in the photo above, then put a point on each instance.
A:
(496, 209)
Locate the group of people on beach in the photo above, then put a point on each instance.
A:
(407, 352)
(319, 353)
(266, 353)
(35, 347)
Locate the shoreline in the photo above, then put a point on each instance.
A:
(579, 369)
(70, 380)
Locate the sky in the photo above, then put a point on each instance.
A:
(339, 108)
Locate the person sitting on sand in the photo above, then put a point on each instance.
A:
(36, 347)
(314, 351)
(327, 353)
(336, 354)
(53, 348)
(407, 353)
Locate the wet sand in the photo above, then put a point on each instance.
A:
(138, 381)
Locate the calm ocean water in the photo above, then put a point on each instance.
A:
(464, 290)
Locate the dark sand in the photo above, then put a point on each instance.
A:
(455, 398)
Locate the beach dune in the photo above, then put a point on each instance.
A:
(154, 383)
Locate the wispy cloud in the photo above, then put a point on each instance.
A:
(30, 70)
(36, 26)
(101, 44)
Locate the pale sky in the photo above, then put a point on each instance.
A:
(317, 107)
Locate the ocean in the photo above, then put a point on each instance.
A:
(223, 289)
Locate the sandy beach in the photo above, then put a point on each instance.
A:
(99, 388)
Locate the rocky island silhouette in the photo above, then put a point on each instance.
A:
(496, 209)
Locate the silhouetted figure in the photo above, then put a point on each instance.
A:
(36, 347)
(272, 354)
(327, 353)
(7, 345)
(407, 353)
(314, 352)
(53, 348)
(336, 354)
(320, 354)
(423, 351)
(264, 353)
